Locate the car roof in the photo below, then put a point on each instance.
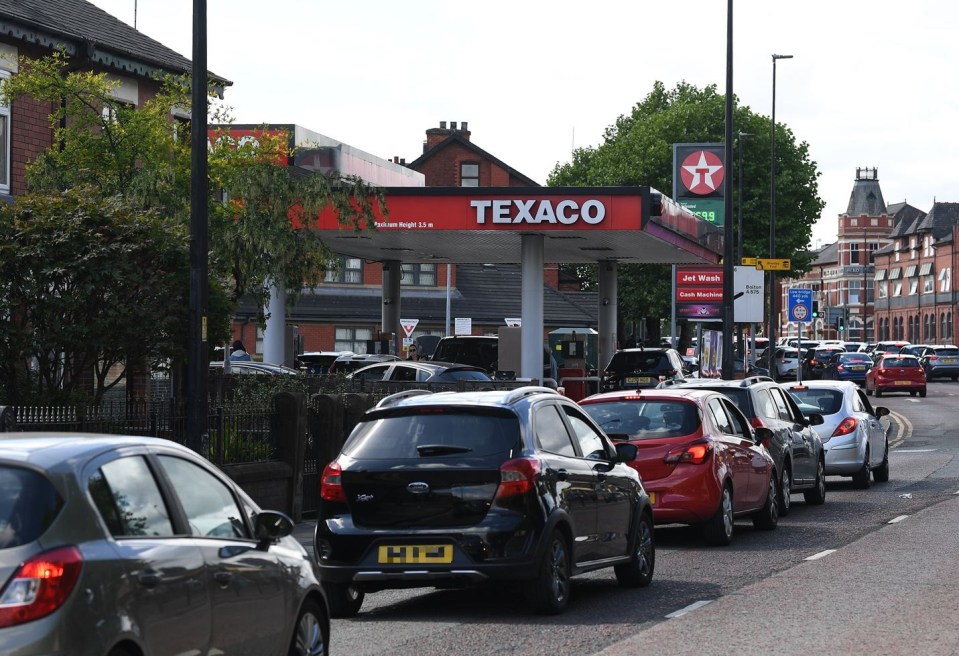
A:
(845, 385)
(672, 393)
(499, 398)
(50, 449)
(258, 366)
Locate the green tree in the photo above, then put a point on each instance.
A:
(638, 150)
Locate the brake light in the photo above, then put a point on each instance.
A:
(331, 483)
(840, 368)
(933, 357)
(517, 477)
(40, 586)
(845, 427)
(757, 422)
(695, 453)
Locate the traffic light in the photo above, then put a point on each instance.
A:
(841, 324)
(815, 309)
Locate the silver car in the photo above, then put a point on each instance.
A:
(785, 362)
(853, 437)
(116, 546)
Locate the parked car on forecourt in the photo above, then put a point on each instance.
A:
(317, 363)
(941, 361)
(253, 367)
(795, 446)
(114, 545)
(896, 373)
(349, 363)
(637, 368)
(699, 459)
(847, 366)
(420, 372)
(854, 439)
(460, 488)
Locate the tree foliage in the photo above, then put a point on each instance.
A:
(637, 149)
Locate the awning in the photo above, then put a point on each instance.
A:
(910, 271)
(894, 274)
(881, 274)
(925, 269)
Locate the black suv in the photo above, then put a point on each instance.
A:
(454, 489)
(815, 360)
(636, 368)
(795, 446)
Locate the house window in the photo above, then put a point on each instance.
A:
(872, 252)
(945, 280)
(853, 253)
(897, 289)
(347, 270)
(352, 338)
(418, 275)
(4, 142)
(928, 285)
(884, 289)
(913, 286)
(853, 296)
(469, 175)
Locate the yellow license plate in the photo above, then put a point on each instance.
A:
(415, 554)
(903, 382)
(948, 360)
(858, 367)
(652, 498)
(638, 381)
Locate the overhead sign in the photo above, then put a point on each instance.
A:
(409, 325)
(773, 264)
(748, 295)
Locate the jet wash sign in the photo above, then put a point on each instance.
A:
(698, 175)
(699, 293)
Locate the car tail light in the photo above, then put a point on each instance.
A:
(40, 586)
(331, 483)
(517, 477)
(757, 422)
(840, 367)
(845, 427)
(695, 453)
(933, 357)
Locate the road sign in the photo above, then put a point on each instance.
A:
(800, 305)
(773, 264)
(748, 295)
(409, 325)
(749, 261)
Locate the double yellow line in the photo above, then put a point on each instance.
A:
(903, 429)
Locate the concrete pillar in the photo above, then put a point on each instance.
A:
(531, 336)
(608, 292)
(392, 273)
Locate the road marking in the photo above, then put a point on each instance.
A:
(915, 450)
(956, 492)
(688, 609)
(821, 554)
(898, 519)
(911, 400)
(903, 428)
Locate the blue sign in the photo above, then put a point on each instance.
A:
(800, 305)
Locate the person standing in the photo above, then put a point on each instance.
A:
(238, 352)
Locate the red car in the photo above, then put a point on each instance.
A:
(896, 373)
(699, 459)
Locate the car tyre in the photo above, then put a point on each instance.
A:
(767, 517)
(881, 473)
(548, 593)
(310, 632)
(817, 495)
(785, 491)
(718, 530)
(878, 392)
(344, 599)
(922, 393)
(638, 572)
(860, 479)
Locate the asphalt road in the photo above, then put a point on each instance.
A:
(869, 572)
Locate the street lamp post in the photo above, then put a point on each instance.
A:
(773, 300)
(739, 220)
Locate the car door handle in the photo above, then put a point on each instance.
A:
(149, 579)
(562, 475)
(222, 577)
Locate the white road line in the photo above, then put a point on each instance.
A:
(956, 492)
(688, 609)
(898, 519)
(914, 450)
(821, 554)
(913, 400)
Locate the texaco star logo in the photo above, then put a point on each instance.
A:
(702, 172)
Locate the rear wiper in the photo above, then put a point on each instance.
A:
(440, 449)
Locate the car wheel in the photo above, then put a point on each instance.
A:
(309, 637)
(861, 478)
(344, 599)
(868, 391)
(120, 651)
(638, 572)
(912, 392)
(878, 392)
(817, 495)
(953, 378)
(767, 517)
(881, 473)
(785, 491)
(922, 393)
(548, 593)
(718, 529)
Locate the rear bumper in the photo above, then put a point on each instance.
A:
(684, 499)
(943, 370)
(844, 456)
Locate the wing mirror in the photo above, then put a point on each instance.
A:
(626, 451)
(814, 419)
(763, 435)
(880, 411)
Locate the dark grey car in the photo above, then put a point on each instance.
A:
(796, 447)
(123, 546)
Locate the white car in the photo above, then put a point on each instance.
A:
(853, 437)
(785, 362)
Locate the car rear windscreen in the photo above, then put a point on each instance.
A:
(28, 505)
(639, 361)
(642, 420)
(416, 433)
(827, 401)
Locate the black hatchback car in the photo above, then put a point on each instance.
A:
(454, 489)
(638, 368)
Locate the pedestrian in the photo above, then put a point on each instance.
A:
(411, 352)
(238, 352)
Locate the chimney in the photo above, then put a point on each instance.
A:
(453, 126)
(436, 136)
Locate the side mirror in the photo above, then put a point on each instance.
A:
(271, 525)
(815, 419)
(626, 451)
(880, 411)
(763, 435)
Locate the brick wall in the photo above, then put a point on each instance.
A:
(30, 134)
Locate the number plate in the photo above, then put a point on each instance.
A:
(948, 360)
(858, 367)
(652, 498)
(415, 554)
(903, 382)
(643, 380)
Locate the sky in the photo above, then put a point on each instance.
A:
(871, 84)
